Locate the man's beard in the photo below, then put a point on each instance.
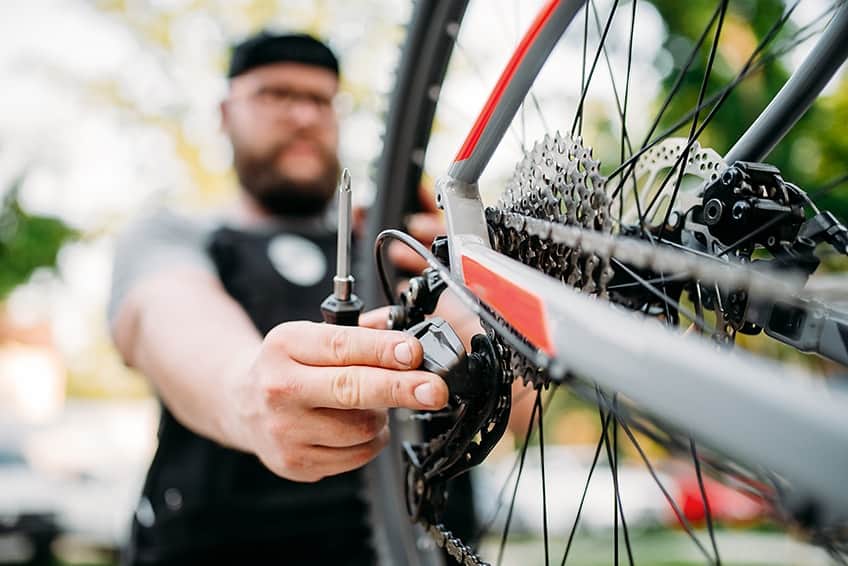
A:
(277, 192)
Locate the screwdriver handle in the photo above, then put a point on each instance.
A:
(342, 313)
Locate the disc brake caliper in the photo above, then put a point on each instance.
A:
(751, 206)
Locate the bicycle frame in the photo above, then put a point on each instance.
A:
(758, 413)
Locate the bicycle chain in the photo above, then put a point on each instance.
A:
(762, 282)
(463, 553)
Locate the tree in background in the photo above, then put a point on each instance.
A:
(27, 241)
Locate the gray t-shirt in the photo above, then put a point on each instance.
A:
(165, 238)
(156, 241)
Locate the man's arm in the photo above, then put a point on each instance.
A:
(181, 330)
(309, 399)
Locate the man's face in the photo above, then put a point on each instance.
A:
(284, 131)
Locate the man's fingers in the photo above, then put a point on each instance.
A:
(316, 344)
(326, 461)
(425, 226)
(359, 387)
(337, 428)
(403, 258)
(377, 318)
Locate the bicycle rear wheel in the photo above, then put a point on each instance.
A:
(402, 163)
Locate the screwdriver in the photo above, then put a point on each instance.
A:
(342, 307)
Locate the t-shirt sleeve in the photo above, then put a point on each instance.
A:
(159, 240)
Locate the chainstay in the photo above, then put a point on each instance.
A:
(637, 253)
(759, 282)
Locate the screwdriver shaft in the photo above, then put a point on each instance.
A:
(343, 281)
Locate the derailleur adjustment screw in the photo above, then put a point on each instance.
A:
(397, 317)
(713, 211)
(413, 290)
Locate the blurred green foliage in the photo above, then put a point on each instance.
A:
(27, 241)
(816, 150)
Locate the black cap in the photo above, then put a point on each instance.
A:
(265, 48)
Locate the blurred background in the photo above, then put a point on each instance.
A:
(110, 107)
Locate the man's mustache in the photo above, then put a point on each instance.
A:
(284, 146)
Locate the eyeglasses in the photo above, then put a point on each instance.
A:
(280, 101)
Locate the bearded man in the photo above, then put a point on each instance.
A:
(266, 418)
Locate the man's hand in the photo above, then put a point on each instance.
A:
(314, 402)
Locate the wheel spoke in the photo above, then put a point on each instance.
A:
(597, 56)
(670, 278)
(721, 97)
(541, 114)
(626, 533)
(678, 513)
(475, 69)
(759, 229)
(754, 63)
(579, 117)
(684, 156)
(540, 415)
(678, 83)
(705, 501)
(604, 423)
(624, 115)
(612, 456)
(620, 107)
(517, 481)
(668, 301)
(487, 525)
(692, 132)
(829, 187)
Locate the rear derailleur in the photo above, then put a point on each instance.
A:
(461, 435)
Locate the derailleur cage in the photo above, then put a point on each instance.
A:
(476, 398)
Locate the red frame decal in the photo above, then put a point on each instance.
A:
(506, 76)
(521, 308)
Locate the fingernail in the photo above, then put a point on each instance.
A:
(403, 353)
(425, 394)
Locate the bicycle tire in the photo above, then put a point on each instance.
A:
(424, 59)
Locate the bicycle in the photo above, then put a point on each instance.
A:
(671, 218)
